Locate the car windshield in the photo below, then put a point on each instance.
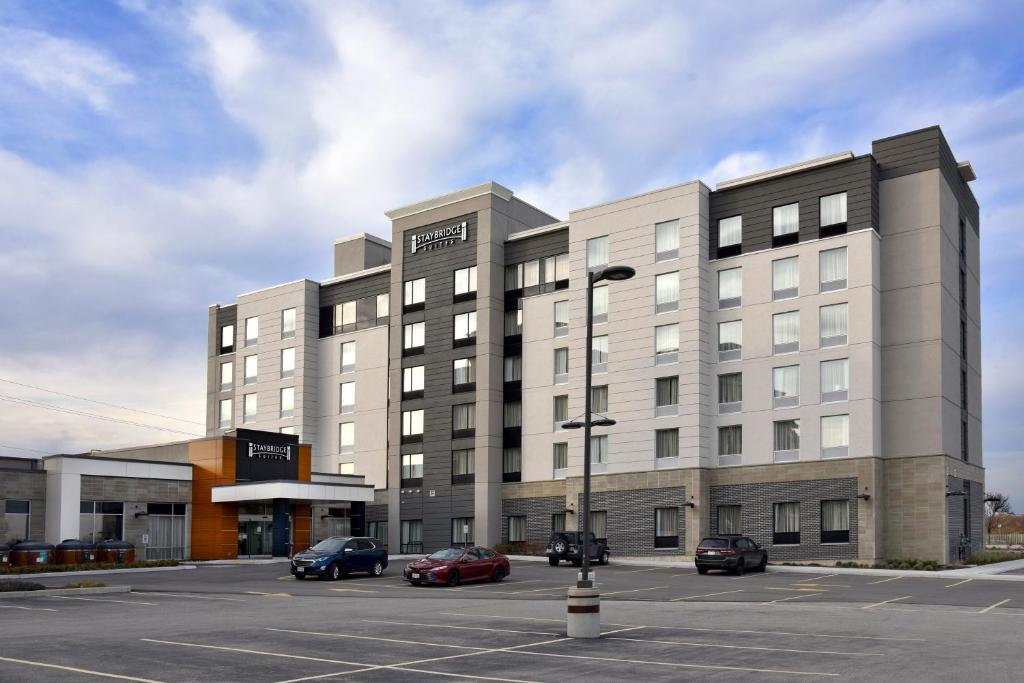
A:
(446, 554)
(714, 543)
(330, 545)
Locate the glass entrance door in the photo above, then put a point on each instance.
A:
(254, 538)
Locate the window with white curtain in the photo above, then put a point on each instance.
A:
(288, 323)
(666, 344)
(348, 357)
(412, 379)
(18, 516)
(600, 304)
(560, 410)
(730, 288)
(558, 522)
(412, 536)
(346, 437)
(513, 368)
(786, 524)
(224, 420)
(835, 521)
(287, 401)
(465, 326)
(345, 316)
(666, 527)
(599, 523)
(463, 371)
(517, 529)
(463, 465)
(786, 332)
(599, 449)
(599, 399)
(251, 363)
(785, 278)
(666, 240)
(560, 456)
(249, 407)
(252, 330)
(462, 531)
(597, 252)
(786, 386)
(666, 292)
(413, 336)
(465, 281)
(666, 443)
(561, 318)
(785, 220)
(730, 231)
(561, 365)
(730, 392)
(287, 362)
(835, 436)
(730, 340)
(227, 339)
(513, 414)
(346, 468)
(833, 209)
(833, 325)
(348, 397)
(531, 273)
(835, 380)
(786, 440)
(227, 375)
(415, 292)
(463, 417)
(562, 267)
(412, 423)
(383, 305)
(513, 277)
(514, 321)
(549, 270)
(666, 395)
(599, 353)
(729, 519)
(511, 464)
(412, 466)
(832, 269)
(730, 445)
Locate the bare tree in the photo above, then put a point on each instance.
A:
(997, 504)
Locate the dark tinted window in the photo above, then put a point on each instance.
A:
(329, 545)
(446, 554)
(714, 543)
(474, 554)
(17, 507)
(365, 545)
(485, 553)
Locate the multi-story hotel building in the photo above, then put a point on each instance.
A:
(797, 359)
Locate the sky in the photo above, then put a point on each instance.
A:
(159, 157)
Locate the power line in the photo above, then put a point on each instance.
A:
(22, 448)
(82, 413)
(102, 403)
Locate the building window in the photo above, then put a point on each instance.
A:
(832, 269)
(101, 521)
(513, 415)
(465, 282)
(348, 397)
(666, 396)
(730, 288)
(560, 456)
(730, 445)
(666, 443)
(347, 438)
(730, 234)
(558, 522)
(513, 277)
(730, 519)
(730, 392)
(378, 531)
(165, 524)
(561, 318)
(465, 328)
(599, 524)
(531, 274)
(288, 323)
(513, 369)
(561, 365)
(287, 362)
(666, 292)
(412, 536)
(600, 304)
(224, 417)
(345, 317)
(599, 450)
(250, 369)
(227, 339)
(562, 268)
(463, 465)
(511, 465)
(599, 399)
(666, 240)
(786, 332)
(599, 354)
(249, 408)
(286, 430)
(517, 529)
(785, 278)
(412, 425)
(835, 436)
(730, 340)
(287, 401)
(786, 440)
(560, 411)
(666, 527)
(462, 531)
(833, 210)
(346, 468)
(786, 528)
(835, 380)
(412, 382)
(464, 372)
(786, 386)
(833, 321)
(412, 470)
(383, 308)
(463, 420)
(785, 223)
(413, 338)
(666, 344)
(514, 321)
(252, 331)
(597, 253)
(835, 521)
(227, 375)
(348, 357)
(18, 516)
(415, 293)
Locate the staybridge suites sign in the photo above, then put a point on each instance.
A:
(260, 456)
(439, 237)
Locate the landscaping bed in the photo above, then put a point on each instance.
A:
(91, 566)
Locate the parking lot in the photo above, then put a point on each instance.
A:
(255, 623)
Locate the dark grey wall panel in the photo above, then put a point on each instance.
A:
(227, 315)
(351, 290)
(548, 244)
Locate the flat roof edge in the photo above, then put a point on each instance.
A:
(369, 237)
(785, 170)
(490, 187)
(356, 275)
(539, 230)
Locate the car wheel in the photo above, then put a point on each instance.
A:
(335, 572)
(604, 557)
(300, 577)
(453, 578)
(560, 547)
(739, 568)
(764, 563)
(702, 570)
(498, 575)
(378, 568)
(553, 561)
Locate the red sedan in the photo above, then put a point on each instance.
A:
(452, 566)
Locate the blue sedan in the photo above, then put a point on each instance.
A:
(335, 557)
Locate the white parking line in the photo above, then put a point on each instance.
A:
(886, 602)
(801, 590)
(634, 590)
(72, 669)
(891, 578)
(706, 667)
(121, 602)
(991, 607)
(462, 628)
(28, 609)
(183, 595)
(958, 583)
(791, 597)
(637, 571)
(246, 651)
(705, 595)
(750, 647)
(386, 640)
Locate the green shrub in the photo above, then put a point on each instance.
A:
(44, 568)
(14, 586)
(916, 565)
(85, 584)
(992, 556)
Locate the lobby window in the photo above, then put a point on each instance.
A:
(513, 369)
(599, 353)
(730, 340)
(599, 450)
(18, 516)
(666, 240)
(517, 529)
(561, 365)
(666, 527)
(412, 536)
(600, 304)
(345, 317)
(100, 521)
(463, 374)
(347, 438)
(287, 401)
(832, 269)
(465, 328)
(730, 236)
(227, 339)
(412, 469)
(666, 293)
(786, 386)
(599, 524)
(227, 375)
(561, 318)
(412, 425)
(597, 253)
(835, 380)
(666, 396)
(835, 436)
(224, 416)
(832, 214)
(785, 278)
(666, 344)
(786, 524)
(412, 382)
(249, 408)
(463, 464)
(348, 357)
(346, 468)
(383, 308)
(560, 411)
(730, 445)
(287, 363)
(415, 294)
(462, 531)
(348, 397)
(730, 392)
(835, 521)
(730, 288)
(288, 323)
(666, 443)
(413, 338)
(166, 526)
(512, 465)
(251, 364)
(252, 331)
(463, 420)
(599, 399)
(786, 441)
(786, 332)
(785, 224)
(730, 519)
(833, 325)
(512, 414)
(559, 456)
(465, 283)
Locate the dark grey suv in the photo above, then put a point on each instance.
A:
(735, 554)
(565, 545)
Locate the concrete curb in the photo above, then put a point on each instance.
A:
(229, 563)
(65, 591)
(93, 572)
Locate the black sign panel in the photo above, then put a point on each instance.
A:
(263, 456)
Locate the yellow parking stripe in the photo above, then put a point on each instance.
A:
(991, 607)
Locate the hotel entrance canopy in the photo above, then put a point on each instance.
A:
(292, 490)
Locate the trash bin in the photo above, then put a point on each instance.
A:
(28, 553)
(73, 551)
(5, 556)
(116, 552)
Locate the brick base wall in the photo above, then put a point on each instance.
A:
(24, 485)
(538, 512)
(631, 525)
